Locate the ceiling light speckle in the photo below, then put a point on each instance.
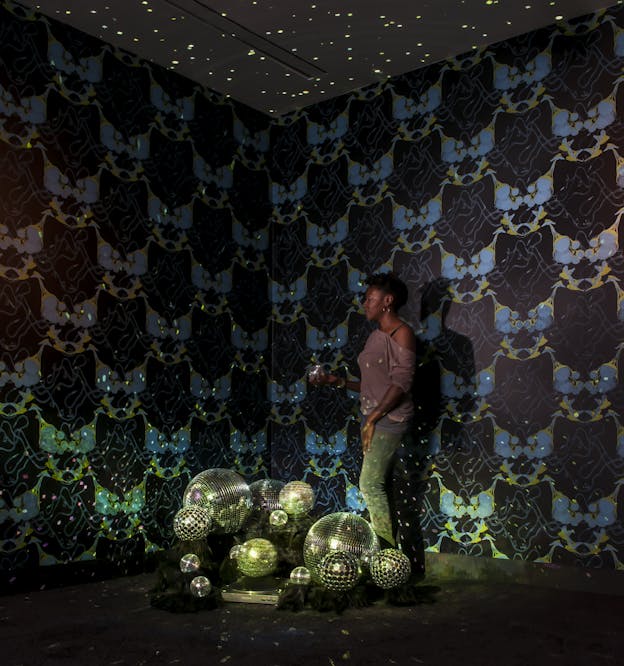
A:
(290, 48)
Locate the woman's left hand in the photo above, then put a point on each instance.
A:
(367, 435)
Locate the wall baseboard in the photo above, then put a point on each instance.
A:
(447, 566)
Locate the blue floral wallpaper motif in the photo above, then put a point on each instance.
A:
(171, 263)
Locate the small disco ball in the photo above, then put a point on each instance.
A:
(189, 563)
(257, 558)
(226, 496)
(300, 576)
(297, 498)
(235, 551)
(316, 372)
(278, 518)
(390, 568)
(265, 494)
(339, 571)
(192, 522)
(340, 531)
(200, 586)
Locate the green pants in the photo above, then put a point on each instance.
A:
(374, 482)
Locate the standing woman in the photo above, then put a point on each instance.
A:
(387, 370)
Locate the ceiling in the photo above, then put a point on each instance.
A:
(277, 56)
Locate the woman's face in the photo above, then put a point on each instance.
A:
(374, 302)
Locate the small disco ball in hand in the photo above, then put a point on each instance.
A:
(316, 372)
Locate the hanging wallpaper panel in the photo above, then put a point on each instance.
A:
(134, 307)
(492, 184)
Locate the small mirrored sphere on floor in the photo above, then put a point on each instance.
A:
(189, 563)
(390, 568)
(339, 571)
(200, 586)
(300, 576)
(278, 518)
(192, 522)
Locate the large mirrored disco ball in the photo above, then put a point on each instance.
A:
(192, 522)
(257, 558)
(297, 498)
(390, 568)
(340, 531)
(226, 496)
(339, 571)
(265, 494)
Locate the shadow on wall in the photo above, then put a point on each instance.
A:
(444, 385)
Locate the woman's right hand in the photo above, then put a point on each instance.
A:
(322, 379)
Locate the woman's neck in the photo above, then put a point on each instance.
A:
(389, 321)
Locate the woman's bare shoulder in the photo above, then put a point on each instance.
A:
(405, 337)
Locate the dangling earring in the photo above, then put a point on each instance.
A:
(385, 308)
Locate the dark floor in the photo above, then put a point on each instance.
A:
(112, 622)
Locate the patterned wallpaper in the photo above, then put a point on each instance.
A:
(171, 263)
(134, 304)
(492, 183)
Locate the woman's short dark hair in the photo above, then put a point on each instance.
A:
(390, 284)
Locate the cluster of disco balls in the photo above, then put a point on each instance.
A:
(219, 501)
(337, 549)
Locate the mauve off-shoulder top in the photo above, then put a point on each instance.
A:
(383, 363)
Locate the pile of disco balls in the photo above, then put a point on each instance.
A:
(339, 551)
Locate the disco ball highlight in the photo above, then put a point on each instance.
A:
(192, 522)
(342, 531)
(297, 498)
(265, 494)
(339, 571)
(390, 568)
(257, 558)
(224, 494)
